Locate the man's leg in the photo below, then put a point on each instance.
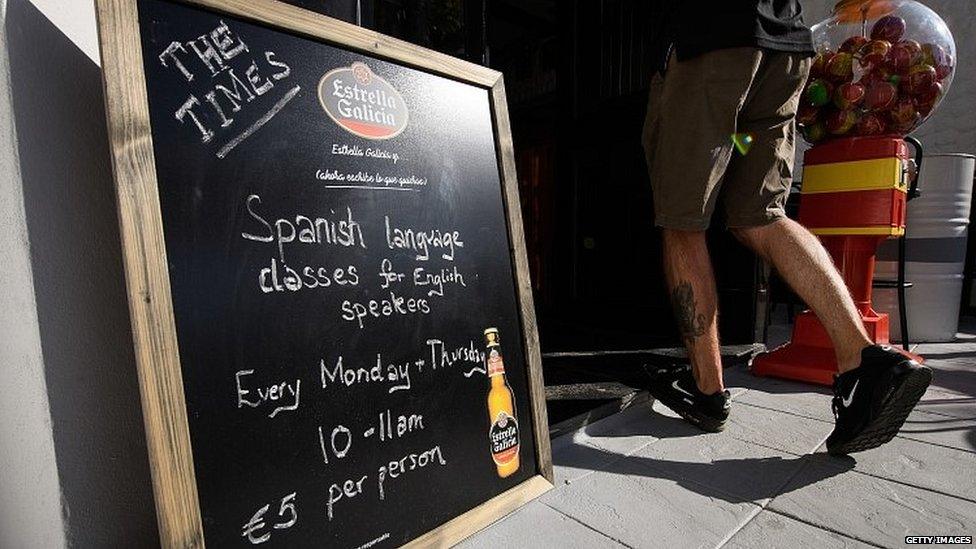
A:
(877, 387)
(689, 150)
(697, 393)
(806, 266)
(691, 285)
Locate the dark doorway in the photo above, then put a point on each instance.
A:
(576, 74)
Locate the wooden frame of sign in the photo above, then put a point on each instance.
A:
(144, 252)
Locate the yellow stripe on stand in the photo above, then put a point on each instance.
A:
(859, 175)
(858, 231)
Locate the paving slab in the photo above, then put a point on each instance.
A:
(774, 429)
(948, 403)
(573, 458)
(769, 529)
(962, 348)
(537, 525)
(940, 430)
(918, 464)
(872, 509)
(740, 470)
(954, 378)
(803, 401)
(625, 432)
(640, 509)
(954, 366)
(614, 437)
(743, 376)
(738, 380)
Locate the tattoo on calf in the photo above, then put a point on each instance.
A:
(691, 323)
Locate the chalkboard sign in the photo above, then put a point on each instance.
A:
(327, 279)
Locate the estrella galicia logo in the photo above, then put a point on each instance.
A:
(362, 102)
(504, 438)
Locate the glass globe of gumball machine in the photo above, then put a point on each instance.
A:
(882, 67)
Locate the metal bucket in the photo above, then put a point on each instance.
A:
(938, 222)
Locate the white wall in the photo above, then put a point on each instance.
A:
(73, 464)
(76, 20)
(30, 506)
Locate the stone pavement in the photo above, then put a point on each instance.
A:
(644, 478)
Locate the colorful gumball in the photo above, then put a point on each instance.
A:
(840, 67)
(880, 97)
(818, 92)
(904, 115)
(873, 53)
(807, 115)
(853, 44)
(903, 56)
(936, 56)
(915, 47)
(898, 60)
(886, 75)
(919, 78)
(926, 99)
(841, 122)
(877, 76)
(869, 79)
(924, 110)
(929, 94)
(870, 124)
(889, 28)
(819, 66)
(848, 95)
(943, 71)
(814, 133)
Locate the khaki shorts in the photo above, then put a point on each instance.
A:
(692, 114)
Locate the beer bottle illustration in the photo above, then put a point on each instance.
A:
(503, 433)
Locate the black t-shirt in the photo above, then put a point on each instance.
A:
(697, 27)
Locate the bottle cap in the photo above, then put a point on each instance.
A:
(491, 331)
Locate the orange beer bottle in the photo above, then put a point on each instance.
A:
(503, 433)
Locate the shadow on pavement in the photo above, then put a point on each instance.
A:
(960, 380)
(724, 479)
(934, 420)
(663, 427)
(969, 355)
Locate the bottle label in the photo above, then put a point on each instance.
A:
(496, 365)
(504, 438)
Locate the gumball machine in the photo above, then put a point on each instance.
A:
(881, 69)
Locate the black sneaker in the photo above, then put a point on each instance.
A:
(872, 401)
(676, 389)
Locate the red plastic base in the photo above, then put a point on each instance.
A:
(810, 357)
(799, 363)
